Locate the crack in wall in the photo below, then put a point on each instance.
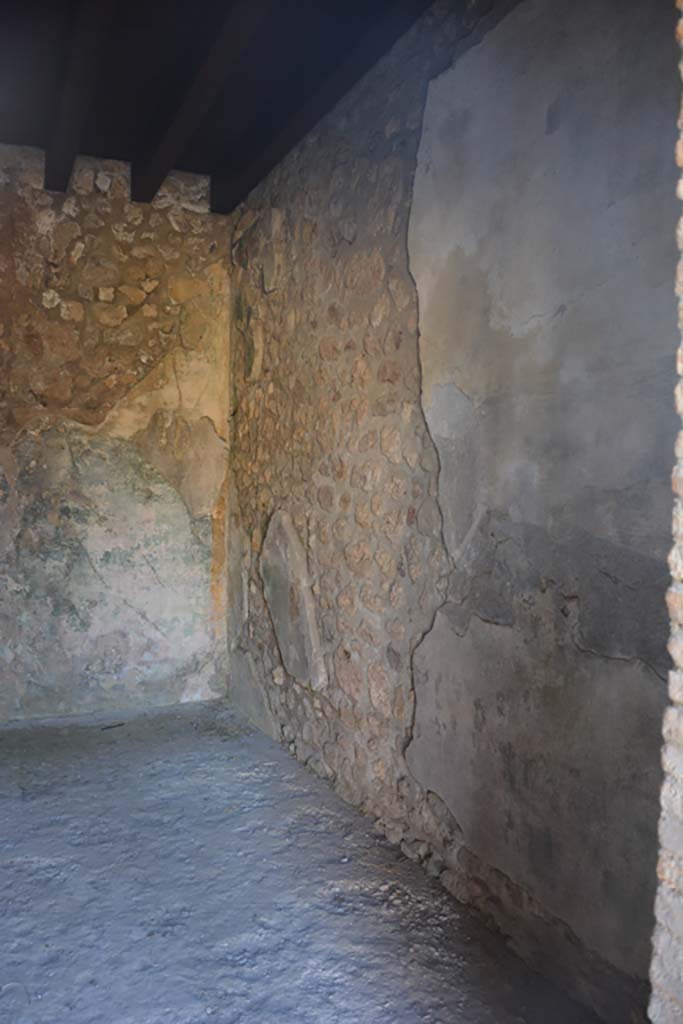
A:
(607, 615)
(486, 15)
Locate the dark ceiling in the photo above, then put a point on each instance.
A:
(221, 88)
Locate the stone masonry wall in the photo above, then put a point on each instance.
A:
(344, 512)
(666, 973)
(113, 433)
(328, 434)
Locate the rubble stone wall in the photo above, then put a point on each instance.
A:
(477, 475)
(113, 441)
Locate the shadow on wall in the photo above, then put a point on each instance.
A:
(541, 242)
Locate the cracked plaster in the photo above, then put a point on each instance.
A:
(539, 690)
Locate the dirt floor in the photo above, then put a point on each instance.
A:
(178, 866)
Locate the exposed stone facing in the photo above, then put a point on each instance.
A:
(94, 288)
(666, 972)
(327, 426)
(113, 327)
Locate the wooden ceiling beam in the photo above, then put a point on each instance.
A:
(231, 186)
(243, 21)
(85, 48)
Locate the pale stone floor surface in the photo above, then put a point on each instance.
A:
(178, 867)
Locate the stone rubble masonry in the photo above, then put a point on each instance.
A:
(113, 440)
(327, 428)
(666, 973)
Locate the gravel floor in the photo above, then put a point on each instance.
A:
(178, 867)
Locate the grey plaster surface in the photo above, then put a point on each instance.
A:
(179, 867)
(542, 245)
